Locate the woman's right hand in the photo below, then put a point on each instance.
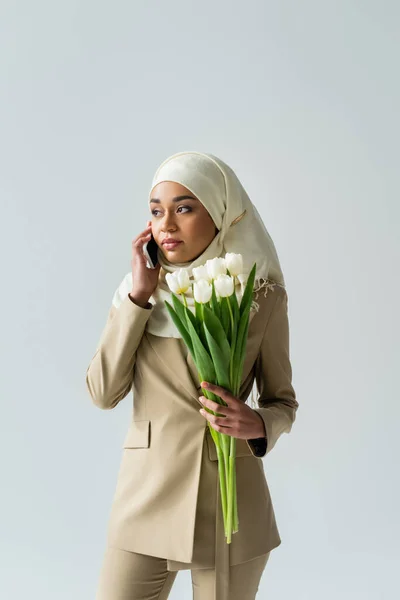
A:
(144, 280)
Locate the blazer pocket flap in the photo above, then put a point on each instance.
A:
(242, 448)
(138, 435)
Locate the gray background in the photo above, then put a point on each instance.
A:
(301, 99)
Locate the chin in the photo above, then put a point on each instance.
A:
(171, 254)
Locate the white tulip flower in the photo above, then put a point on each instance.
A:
(215, 267)
(234, 263)
(224, 285)
(202, 291)
(201, 273)
(178, 281)
(242, 277)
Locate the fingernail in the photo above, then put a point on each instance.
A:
(204, 384)
(201, 399)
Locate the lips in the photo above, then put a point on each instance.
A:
(171, 241)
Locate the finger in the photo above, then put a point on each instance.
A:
(218, 423)
(141, 240)
(138, 254)
(142, 233)
(218, 390)
(214, 406)
(138, 243)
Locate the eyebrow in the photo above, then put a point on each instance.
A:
(176, 199)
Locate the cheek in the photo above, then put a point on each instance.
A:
(200, 228)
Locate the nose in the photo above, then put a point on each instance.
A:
(167, 224)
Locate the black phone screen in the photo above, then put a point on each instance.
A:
(152, 249)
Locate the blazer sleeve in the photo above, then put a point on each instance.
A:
(277, 404)
(109, 376)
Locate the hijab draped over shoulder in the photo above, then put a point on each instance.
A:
(241, 230)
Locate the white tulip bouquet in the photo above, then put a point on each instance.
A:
(216, 336)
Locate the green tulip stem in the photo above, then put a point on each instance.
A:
(225, 444)
(232, 342)
(235, 525)
(232, 517)
(230, 311)
(230, 500)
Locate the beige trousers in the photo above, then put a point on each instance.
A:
(128, 575)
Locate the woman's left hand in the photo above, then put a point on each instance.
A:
(238, 419)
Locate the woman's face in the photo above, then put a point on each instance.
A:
(177, 213)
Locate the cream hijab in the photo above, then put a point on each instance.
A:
(241, 230)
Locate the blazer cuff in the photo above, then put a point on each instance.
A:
(148, 305)
(258, 446)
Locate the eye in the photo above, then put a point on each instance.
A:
(155, 210)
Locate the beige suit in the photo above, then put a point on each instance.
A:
(166, 502)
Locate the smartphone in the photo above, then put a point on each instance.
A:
(150, 250)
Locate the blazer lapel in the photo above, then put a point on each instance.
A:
(181, 367)
(171, 356)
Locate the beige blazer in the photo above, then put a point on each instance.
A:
(166, 502)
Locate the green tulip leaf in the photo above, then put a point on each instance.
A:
(214, 301)
(201, 357)
(242, 354)
(200, 324)
(248, 291)
(225, 318)
(213, 324)
(193, 319)
(182, 310)
(179, 308)
(220, 362)
(198, 312)
(180, 326)
(240, 347)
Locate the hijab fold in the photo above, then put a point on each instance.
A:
(241, 230)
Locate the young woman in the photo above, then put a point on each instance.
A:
(166, 513)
